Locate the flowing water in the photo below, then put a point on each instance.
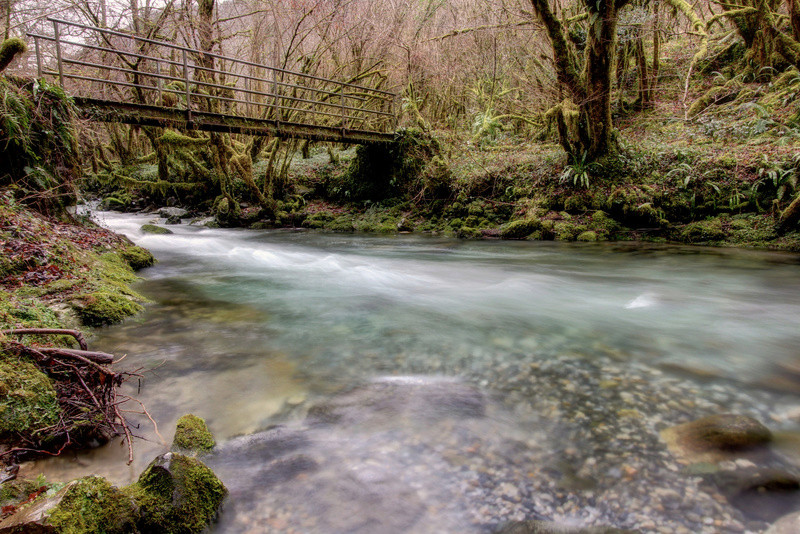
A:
(421, 384)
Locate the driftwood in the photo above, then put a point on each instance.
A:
(96, 357)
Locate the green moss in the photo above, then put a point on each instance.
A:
(10, 49)
(153, 229)
(176, 494)
(588, 236)
(28, 401)
(520, 229)
(137, 257)
(92, 505)
(192, 434)
(709, 230)
(15, 491)
(342, 223)
(104, 308)
(568, 230)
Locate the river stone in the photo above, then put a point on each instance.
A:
(33, 519)
(788, 524)
(172, 212)
(89, 504)
(762, 494)
(192, 434)
(549, 527)
(417, 399)
(174, 219)
(177, 493)
(716, 437)
(153, 229)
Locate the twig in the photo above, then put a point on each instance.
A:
(127, 435)
(155, 425)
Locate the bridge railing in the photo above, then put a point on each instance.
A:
(114, 66)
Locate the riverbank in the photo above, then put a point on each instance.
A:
(57, 274)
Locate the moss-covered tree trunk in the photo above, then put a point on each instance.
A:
(794, 17)
(592, 136)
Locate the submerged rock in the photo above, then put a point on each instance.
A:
(549, 527)
(153, 229)
(716, 437)
(788, 524)
(420, 399)
(172, 212)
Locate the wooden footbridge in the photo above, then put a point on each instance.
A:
(118, 77)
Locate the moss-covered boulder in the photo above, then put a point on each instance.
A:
(177, 494)
(137, 257)
(192, 434)
(153, 229)
(85, 506)
(28, 400)
(520, 229)
(104, 307)
(706, 231)
(92, 504)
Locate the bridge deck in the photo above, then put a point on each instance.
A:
(118, 77)
(148, 115)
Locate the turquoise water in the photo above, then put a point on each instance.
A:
(251, 328)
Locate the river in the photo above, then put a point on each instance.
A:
(406, 383)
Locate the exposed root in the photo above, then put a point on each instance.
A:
(86, 389)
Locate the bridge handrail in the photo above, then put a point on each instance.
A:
(212, 54)
(239, 88)
(199, 82)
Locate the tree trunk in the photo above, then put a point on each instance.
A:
(794, 17)
(595, 128)
(590, 89)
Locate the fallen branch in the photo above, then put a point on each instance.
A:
(49, 331)
(83, 355)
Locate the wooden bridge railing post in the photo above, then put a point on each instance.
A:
(38, 58)
(158, 84)
(58, 53)
(188, 88)
(344, 111)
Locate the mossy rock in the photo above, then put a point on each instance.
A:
(153, 229)
(137, 257)
(28, 400)
(706, 231)
(177, 494)
(588, 236)
(568, 230)
(192, 434)
(520, 229)
(92, 505)
(104, 308)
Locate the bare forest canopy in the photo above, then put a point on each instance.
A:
(559, 70)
